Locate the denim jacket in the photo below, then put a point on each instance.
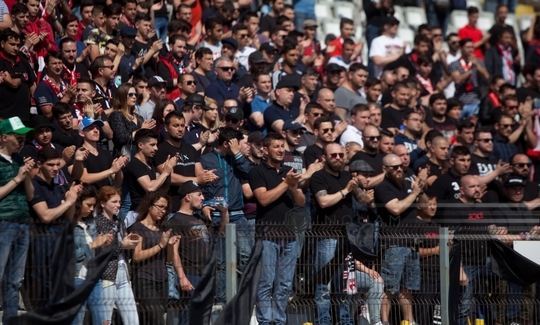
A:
(82, 249)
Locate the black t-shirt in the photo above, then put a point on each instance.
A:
(340, 213)
(393, 118)
(482, 166)
(446, 186)
(16, 101)
(67, 140)
(295, 160)
(312, 153)
(517, 218)
(266, 23)
(374, 160)
(385, 192)
(152, 268)
(447, 127)
(531, 191)
(202, 82)
(427, 236)
(185, 166)
(99, 163)
(195, 243)
(266, 176)
(133, 171)
(434, 170)
(140, 49)
(80, 72)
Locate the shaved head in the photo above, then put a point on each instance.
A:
(391, 160)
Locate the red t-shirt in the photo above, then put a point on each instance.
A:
(338, 43)
(476, 35)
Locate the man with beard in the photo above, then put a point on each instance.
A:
(465, 134)
(395, 198)
(188, 86)
(445, 124)
(482, 160)
(73, 70)
(140, 173)
(324, 129)
(504, 149)
(189, 167)
(370, 152)
(332, 74)
(387, 142)
(420, 48)
(521, 165)
(156, 86)
(174, 65)
(308, 138)
(439, 153)
(394, 113)
(333, 190)
(292, 132)
(403, 154)
(412, 131)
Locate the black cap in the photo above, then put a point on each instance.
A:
(391, 20)
(197, 100)
(256, 136)
(236, 113)
(128, 31)
(40, 121)
(256, 57)
(514, 180)
(361, 166)
(187, 188)
(289, 82)
(231, 41)
(267, 47)
(332, 67)
(292, 125)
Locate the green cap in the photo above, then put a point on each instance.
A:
(13, 125)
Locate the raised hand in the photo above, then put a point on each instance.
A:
(81, 154)
(165, 238)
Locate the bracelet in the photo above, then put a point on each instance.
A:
(342, 195)
(159, 245)
(13, 179)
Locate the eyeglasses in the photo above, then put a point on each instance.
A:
(295, 132)
(335, 155)
(395, 167)
(485, 140)
(522, 165)
(226, 68)
(160, 207)
(376, 138)
(328, 130)
(230, 119)
(504, 126)
(191, 82)
(107, 67)
(132, 94)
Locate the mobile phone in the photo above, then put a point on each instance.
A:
(536, 103)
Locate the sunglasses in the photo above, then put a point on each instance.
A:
(454, 43)
(376, 138)
(295, 132)
(231, 120)
(328, 130)
(395, 167)
(226, 69)
(335, 155)
(191, 82)
(316, 114)
(485, 140)
(522, 165)
(107, 67)
(132, 94)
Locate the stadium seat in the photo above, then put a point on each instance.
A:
(512, 21)
(343, 9)
(458, 19)
(399, 13)
(486, 20)
(415, 16)
(323, 11)
(331, 26)
(475, 3)
(359, 33)
(525, 22)
(407, 35)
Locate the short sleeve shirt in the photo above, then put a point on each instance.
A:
(136, 169)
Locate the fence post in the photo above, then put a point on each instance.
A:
(444, 256)
(230, 260)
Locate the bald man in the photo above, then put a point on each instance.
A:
(402, 152)
(370, 152)
(439, 154)
(395, 200)
(326, 99)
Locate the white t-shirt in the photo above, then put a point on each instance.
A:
(450, 90)
(243, 56)
(384, 46)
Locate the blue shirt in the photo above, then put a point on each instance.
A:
(502, 149)
(258, 104)
(220, 91)
(276, 112)
(44, 95)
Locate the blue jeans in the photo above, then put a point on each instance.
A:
(121, 294)
(326, 249)
(375, 291)
(401, 267)
(160, 25)
(437, 18)
(277, 273)
(473, 273)
(96, 304)
(243, 252)
(14, 242)
(126, 202)
(372, 32)
(300, 17)
(469, 110)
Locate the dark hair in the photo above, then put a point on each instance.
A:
(464, 41)
(257, 75)
(288, 45)
(484, 129)
(280, 20)
(419, 38)
(141, 16)
(345, 21)
(357, 66)
(227, 6)
(174, 38)
(212, 22)
(503, 115)
(386, 133)
(239, 27)
(19, 8)
(60, 108)
(46, 154)
(359, 108)
(148, 201)
(310, 72)
(320, 120)
(171, 115)
(432, 134)
(453, 102)
(112, 9)
(529, 68)
(451, 35)
(424, 27)
(144, 135)
(52, 54)
(465, 124)
(435, 97)
(504, 87)
(113, 41)
(65, 40)
(312, 105)
(201, 52)
(372, 81)
(158, 112)
(66, 20)
(227, 134)
(85, 3)
(174, 26)
(494, 79)
(98, 63)
(9, 33)
(348, 41)
(424, 60)
(277, 28)
(272, 136)
(399, 85)
(89, 191)
(250, 14)
(472, 10)
(138, 77)
(88, 81)
(125, 2)
(459, 151)
(408, 115)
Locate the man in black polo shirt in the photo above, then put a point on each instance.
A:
(276, 189)
(292, 132)
(324, 131)
(439, 152)
(482, 160)
(370, 152)
(282, 110)
(446, 187)
(188, 167)
(19, 79)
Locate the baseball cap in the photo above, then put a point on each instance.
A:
(236, 113)
(128, 31)
(292, 125)
(333, 67)
(309, 23)
(13, 125)
(289, 82)
(514, 180)
(40, 121)
(156, 80)
(256, 57)
(361, 166)
(87, 121)
(267, 47)
(256, 136)
(187, 188)
(231, 41)
(197, 100)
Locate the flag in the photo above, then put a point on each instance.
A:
(200, 309)
(511, 266)
(240, 308)
(66, 300)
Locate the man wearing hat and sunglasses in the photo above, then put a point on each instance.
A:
(282, 110)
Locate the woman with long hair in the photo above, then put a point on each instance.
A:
(123, 120)
(87, 241)
(149, 257)
(162, 109)
(210, 118)
(116, 286)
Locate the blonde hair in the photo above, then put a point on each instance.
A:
(210, 101)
